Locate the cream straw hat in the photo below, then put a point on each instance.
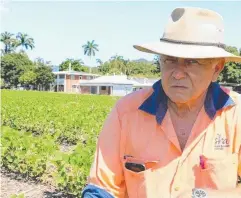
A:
(192, 33)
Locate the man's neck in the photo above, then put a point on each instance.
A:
(192, 106)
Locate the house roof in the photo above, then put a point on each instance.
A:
(113, 80)
(110, 80)
(145, 80)
(75, 73)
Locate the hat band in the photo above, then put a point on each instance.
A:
(221, 45)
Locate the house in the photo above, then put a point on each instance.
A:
(141, 83)
(116, 85)
(64, 80)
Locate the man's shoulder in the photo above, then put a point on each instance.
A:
(133, 101)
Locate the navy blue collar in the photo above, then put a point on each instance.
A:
(156, 103)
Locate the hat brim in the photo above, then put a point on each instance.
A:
(187, 51)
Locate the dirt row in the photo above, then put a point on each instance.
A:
(12, 183)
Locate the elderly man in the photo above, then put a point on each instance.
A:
(182, 137)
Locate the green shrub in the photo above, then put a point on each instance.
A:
(25, 154)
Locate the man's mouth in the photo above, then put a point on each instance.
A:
(179, 87)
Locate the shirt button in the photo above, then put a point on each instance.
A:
(177, 188)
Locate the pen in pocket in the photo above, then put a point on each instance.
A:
(202, 162)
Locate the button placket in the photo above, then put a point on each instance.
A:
(176, 185)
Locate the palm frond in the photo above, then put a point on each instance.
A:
(95, 48)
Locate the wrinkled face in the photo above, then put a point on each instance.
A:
(184, 80)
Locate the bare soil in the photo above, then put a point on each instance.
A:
(12, 183)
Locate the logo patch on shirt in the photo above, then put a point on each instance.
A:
(221, 143)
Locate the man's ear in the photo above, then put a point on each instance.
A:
(218, 68)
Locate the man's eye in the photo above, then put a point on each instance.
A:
(170, 61)
(192, 62)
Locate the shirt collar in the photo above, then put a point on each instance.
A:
(156, 104)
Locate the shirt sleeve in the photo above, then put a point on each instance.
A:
(106, 171)
(91, 191)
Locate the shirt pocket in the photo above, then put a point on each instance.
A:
(149, 183)
(219, 173)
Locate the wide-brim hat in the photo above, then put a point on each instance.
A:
(192, 33)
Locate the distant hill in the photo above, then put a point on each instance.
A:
(142, 60)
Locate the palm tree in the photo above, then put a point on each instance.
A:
(117, 58)
(100, 62)
(25, 41)
(9, 42)
(90, 48)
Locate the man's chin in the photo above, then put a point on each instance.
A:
(178, 97)
(180, 100)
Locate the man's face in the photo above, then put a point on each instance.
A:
(184, 80)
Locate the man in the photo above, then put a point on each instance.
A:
(182, 137)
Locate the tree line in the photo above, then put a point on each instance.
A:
(116, 65)
(17, 69)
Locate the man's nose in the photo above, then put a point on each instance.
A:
(179, 72)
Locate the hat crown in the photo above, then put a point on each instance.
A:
(194, 25)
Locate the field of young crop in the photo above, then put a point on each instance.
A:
(51, 137)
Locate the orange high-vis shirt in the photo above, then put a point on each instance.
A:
(139, 130)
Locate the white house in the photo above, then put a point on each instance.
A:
(117, 85)
(140, 83)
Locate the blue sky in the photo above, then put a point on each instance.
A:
(61, 28)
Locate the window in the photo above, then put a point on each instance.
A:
(103, 88)
(93, 90)
(61, 76)
(72, 77)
